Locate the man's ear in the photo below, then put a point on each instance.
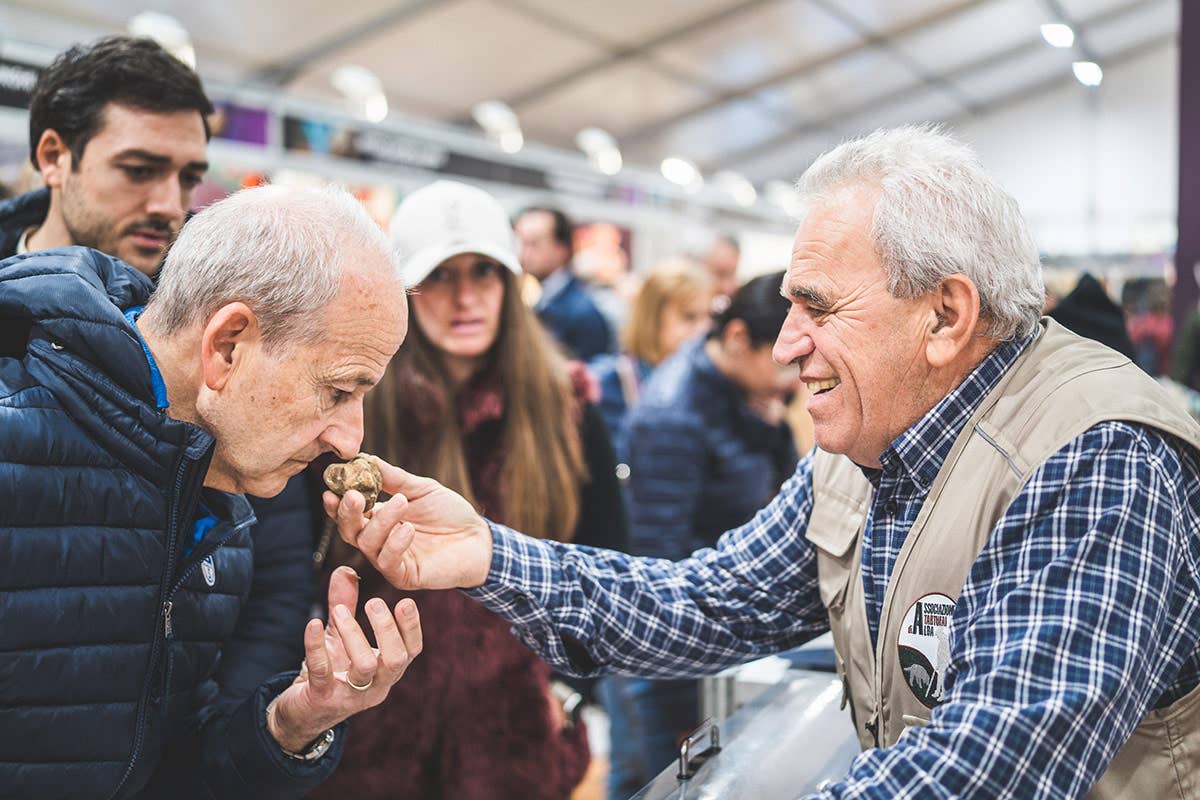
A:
(53, 158)
(736, 337)
(226, 340)
(953, 319)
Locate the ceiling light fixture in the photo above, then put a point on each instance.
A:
(362, 90)
(1088, 73)
(682, 172)
(500, 125)
(167, 31)
(741, 190)
(1057, 34)
(601, 149)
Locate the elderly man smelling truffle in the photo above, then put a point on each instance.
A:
(277, 309)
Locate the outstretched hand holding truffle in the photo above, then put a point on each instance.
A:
(424, 537)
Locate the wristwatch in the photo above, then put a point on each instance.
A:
(316, 748)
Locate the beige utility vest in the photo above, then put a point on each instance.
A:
(1058, 388)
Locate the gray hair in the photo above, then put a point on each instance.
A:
(939, 213)
(281, 250)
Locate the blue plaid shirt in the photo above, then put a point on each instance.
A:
(1081, 613)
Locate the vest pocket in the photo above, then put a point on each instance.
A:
(833, 527)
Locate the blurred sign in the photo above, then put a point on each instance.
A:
(16, 83)
(239, 123)
(378, 145)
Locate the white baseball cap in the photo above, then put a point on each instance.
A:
(446, 219)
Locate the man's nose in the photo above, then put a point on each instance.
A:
(166, 199)
(793, 341)
(344, 435)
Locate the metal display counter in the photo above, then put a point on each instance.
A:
(787, 741)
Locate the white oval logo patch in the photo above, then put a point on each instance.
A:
(924, 646)
(209, 568)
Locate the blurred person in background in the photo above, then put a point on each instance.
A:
(1151, 330)
(1185, 364)
(1090, 312)
(707, 446)
(133, 424)
(118, 130)
(480, 397)
(671, 306)
(602, 263)
(564, 306)
(722, 261)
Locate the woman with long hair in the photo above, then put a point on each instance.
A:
(479, 398)
(671, 306)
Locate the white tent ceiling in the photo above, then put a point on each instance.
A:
(757, 86)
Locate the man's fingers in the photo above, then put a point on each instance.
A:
(400, 481)
(363, 662)
(316, 657)
(390, 560)
(393, 655)
(343, 588)
(349, 515)
(410, 627)
(386, 517)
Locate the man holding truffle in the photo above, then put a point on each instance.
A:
(131, 428)
(999, 526)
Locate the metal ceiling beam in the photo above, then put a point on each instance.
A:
(617, 54)
(286, 70)
(806, 67)
(1124, 55)
(888, 43)
(911, 90)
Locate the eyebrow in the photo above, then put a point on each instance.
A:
(808, 294)
(156, 158)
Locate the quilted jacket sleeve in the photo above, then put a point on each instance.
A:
(270, 631)
(666, 469)
(229, 754)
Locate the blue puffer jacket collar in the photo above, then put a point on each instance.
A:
(89, 355)
(19, 213)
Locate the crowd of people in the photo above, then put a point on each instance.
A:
(182, 594)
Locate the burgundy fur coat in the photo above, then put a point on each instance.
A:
(470, 719)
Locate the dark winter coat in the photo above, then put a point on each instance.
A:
(573, 319)
(700, 460)
(110, 635)
(270, 628)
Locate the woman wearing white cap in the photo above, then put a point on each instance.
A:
(479, 397)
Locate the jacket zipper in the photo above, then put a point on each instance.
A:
(157, 645)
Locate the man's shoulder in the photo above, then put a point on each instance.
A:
(17, 214)
(578, 301)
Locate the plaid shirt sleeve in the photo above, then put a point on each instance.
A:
(754, 594)
(1080, 615)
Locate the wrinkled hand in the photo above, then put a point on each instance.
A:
(424, 537)
(339, 654)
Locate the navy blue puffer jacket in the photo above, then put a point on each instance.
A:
(701, 462)
(109, 636)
